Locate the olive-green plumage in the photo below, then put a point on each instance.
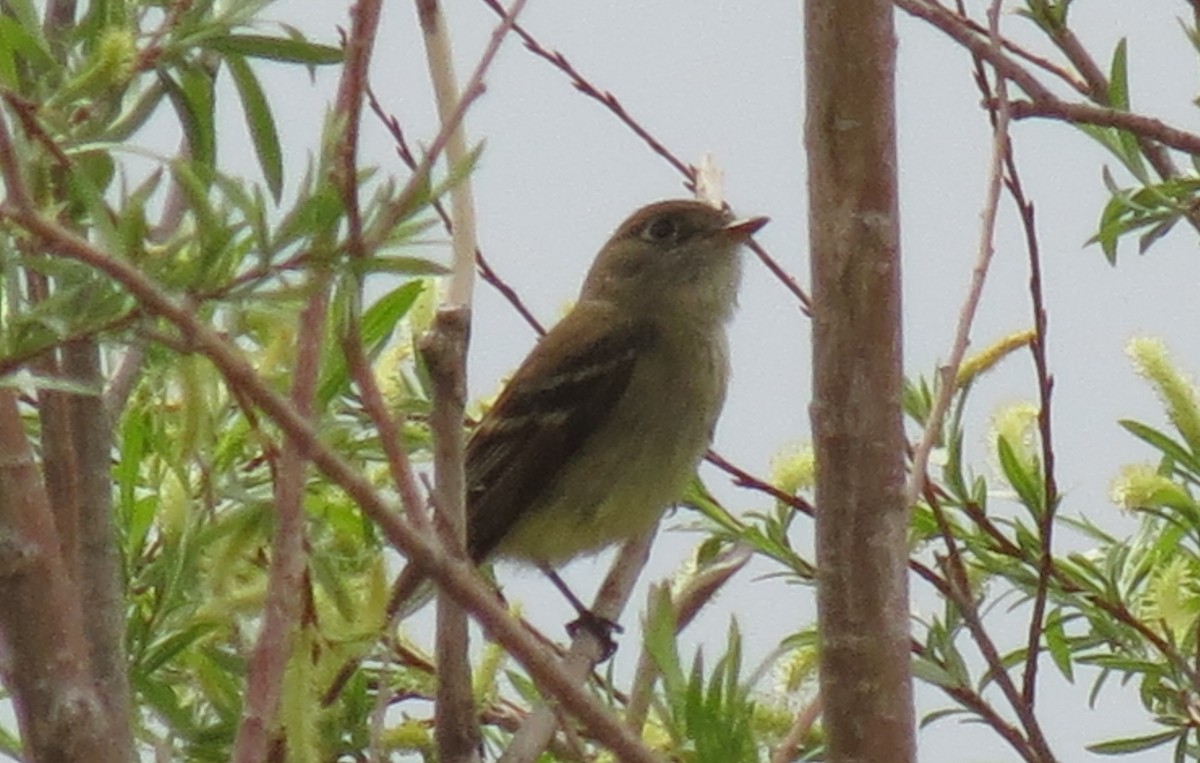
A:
(604, 422)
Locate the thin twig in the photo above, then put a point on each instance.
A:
(996, 102)
(789, 748)
(1042, 101)
(353, 83)
(1081, 59)
(285, 579)
(489, 275)
(1103, 116)
(1045, 388)
(1075, 83)
(445, 351)
(614, 105)
(957, 589)
(353, 88)
(586, 651)
(399, 465)
(10, 363)
(966, 316)
(743, 478)
(486, 271)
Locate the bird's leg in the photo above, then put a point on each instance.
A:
(600, 627)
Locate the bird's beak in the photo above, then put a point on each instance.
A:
(742, 229)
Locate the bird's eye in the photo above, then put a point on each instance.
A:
(660, 229)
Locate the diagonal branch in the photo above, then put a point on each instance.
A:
(455, 576)
(613, 104)
(966, 317)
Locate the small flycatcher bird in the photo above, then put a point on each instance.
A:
(603, 424)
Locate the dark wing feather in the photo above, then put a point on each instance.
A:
(549, 409)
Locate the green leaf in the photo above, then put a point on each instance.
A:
(917, 399)
(380, 319)
(260, 122)
(19, 42)
(1164, 444)
(134, 116)
(161, 698)
(1135, 744)
(930, 672)
(194, 191)
(930, 718)
(194, 103)
(525, 688)
(160, 653)
(661, 645)
(88, 182)
(1111, 228)
(314, 215)
(276, 49)
(402, 265)
(378, 323)
(1118, 78)
(25, 13)
(1130, 149)
(1027, 484)
(1057, 643)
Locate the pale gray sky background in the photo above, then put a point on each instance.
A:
(559, 172)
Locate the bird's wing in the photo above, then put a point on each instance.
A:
(552, 405)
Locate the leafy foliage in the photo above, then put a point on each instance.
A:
(194, 464)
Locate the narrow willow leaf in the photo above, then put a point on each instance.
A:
(1163, 443)
(1135, 744)
(1026, 483)
(260, 122)
(192, 96)
(378, 323)
(1057, 643)
(1118, 78)
(276, 49)
(19, 44)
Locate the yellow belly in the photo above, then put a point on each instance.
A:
(625, 476)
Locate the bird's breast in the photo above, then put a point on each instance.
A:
(638, 462)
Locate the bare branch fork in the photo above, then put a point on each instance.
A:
(1042, 100)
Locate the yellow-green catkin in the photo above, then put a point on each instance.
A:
(110, 65)
(793, 468)
(1016, 424)
(1177, 392)
(981, 362)
(1172, 600)
(1141, 486)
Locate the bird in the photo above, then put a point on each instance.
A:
(603, 424)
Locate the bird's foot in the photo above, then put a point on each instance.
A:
(600, 628)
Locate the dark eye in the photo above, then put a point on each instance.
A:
(660, 229)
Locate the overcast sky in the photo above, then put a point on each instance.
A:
(559, 173)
